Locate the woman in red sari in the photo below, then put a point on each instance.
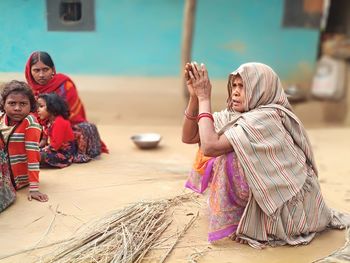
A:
(41, 76)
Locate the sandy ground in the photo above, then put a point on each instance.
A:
(82, 192)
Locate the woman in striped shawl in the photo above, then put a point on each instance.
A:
(257, 159)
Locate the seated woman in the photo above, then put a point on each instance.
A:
(57, 145)
(7, 191)
(257, 159)
(41, 76)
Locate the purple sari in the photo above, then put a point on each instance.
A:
(228, 197)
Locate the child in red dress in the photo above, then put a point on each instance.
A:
(57, 146)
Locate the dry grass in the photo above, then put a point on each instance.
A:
(339, 256)
(126, 235)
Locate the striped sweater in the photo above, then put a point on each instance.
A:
(23, 148)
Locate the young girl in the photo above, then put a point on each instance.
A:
(20, 134)
(57, 147)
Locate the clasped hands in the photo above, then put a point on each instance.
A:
(197, 81)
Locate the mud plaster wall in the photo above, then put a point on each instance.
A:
(143, 38)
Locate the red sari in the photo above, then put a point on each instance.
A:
(63, 86)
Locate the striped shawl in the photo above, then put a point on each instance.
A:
(285, 205)
(269, 140)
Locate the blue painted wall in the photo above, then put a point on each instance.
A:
(143, 38)
(229, 33)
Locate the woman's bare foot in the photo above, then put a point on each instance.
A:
(237, 239)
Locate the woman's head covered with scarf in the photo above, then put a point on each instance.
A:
(41, 74)
(262, 86)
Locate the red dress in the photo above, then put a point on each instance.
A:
(60, 150)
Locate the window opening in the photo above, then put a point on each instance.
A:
(70, 11)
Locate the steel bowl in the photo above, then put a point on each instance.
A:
(146, 140)
(295, 94)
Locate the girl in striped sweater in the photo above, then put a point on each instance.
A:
(20, 134)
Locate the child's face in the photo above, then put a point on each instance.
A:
(42, 109)
(17, 106)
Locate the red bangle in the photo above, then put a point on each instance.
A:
(205, 115)
(190, 117)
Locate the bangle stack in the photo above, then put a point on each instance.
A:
(190, 117)
(205, 115)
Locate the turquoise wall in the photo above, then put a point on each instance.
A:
(229, 33)
(143, 38)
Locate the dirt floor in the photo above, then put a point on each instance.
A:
(122, 107)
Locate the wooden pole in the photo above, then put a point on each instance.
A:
(187, 36)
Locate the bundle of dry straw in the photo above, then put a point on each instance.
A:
(339, 256)
(126, 235)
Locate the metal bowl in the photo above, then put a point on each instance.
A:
(295, 94)
(146, 140)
